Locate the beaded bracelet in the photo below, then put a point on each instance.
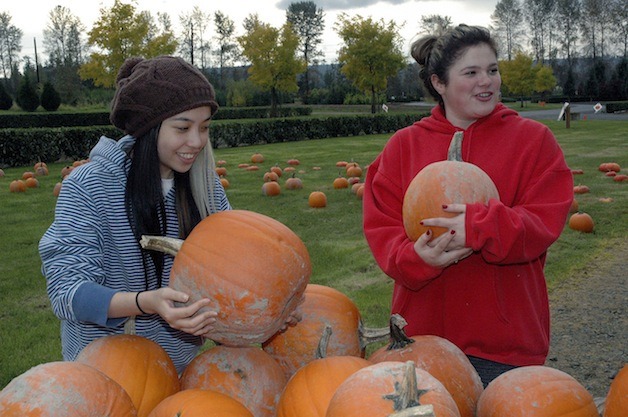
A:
(137, 302)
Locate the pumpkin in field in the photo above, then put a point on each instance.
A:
(609, 166)
(616, 404)
(277, 170)
(142, 367)
(581, 189)
(257, 158)
(310, 389)
(293, 161)
(28, 174)
(384, 388)
(323, 306)
(32, 182)
(221, 171)
(294, 183)
(444, 182)
(17, 186)
(574, 206)
(200, 403)
(247, 374)
(620, 178)
(317, 199)
(340, 182)
(56, 389)
(438, 356)
(271, 176)
(536, 391)
(252, 268)
(582, 222)
(354, 171)
(224, 182)
(271, 189)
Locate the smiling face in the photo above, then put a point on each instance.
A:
(181, 138)
(472, 88)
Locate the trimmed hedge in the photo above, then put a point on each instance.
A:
(101, 118)
(616, 106)
(20, 147)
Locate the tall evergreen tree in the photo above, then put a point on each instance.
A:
(27, 97)
(50, 98)
(6, 102)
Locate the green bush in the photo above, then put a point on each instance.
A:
(616, 106)
(27, 97)
(50, 98)
(6, 102)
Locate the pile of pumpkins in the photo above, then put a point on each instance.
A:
(259, 368)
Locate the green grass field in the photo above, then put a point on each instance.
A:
(29, 333)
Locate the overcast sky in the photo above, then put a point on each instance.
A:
(32, 16)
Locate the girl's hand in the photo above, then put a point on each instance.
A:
(449, 248)
(194, 319)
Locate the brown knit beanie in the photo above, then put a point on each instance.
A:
(152, 90)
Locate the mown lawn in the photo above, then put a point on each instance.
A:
(29, 333)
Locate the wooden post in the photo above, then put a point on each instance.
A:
(568, 116)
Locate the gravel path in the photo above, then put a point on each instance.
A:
(590, 322)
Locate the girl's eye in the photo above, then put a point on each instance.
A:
(182, 128)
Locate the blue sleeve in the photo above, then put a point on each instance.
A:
(91, 304)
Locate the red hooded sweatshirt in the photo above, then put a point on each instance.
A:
(493, 304)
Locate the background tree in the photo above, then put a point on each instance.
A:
(118, 34)
(544, 80)
(227, 51)
(537, 14)
(371, 53)
(274, 63)
(62, 38)
(595, 25)
(567, 21)
(507, 25)
(50, 98)
(619, 16)
(195, 44)
(435, 24)
(518, 76)
(307, 21)
(10, 45)
(27, 97)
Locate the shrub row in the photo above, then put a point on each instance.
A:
(20, 147)
(101, 118)
(616, 107)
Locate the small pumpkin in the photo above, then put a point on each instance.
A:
(384, 388)
(17, 186)
(32, 182)
(581, 222)
(270, 176)
(536, 391)
(340, 182)
(438, 356)
(444, 182)
(609, 166)
(294, 183)
(317, 199)
(620, 178)
(254, 294)
(55, 389)
(200, 403)
(581, 189)
(225, 183)
(277, 170)
(271, 188)
(308, 392)
(247, 374)
(616, 404)
(293, 161)
(257, 158)
(354, 171)
(221, 171)
(142, 367)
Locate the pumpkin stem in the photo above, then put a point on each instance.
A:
(168, 245)
(321, 349)
(129, 326)
(370, 335)
(398, 338)
(455, 147)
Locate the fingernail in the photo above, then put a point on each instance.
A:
(428, 232)
(444, 206)
(453, 232)
(421, 223)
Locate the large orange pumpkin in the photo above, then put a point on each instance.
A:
(438, 356)
(200, 403)
(310, 389)
(323, 306)
(581, 222)
(247, 374)
(56, 389)
(139, 365)
(536, 391)
(444, 182)
(616, 404)
(388, 387)
(252, 268)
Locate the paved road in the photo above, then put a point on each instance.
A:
(584, 109)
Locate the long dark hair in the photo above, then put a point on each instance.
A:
(144, 201)
(435, 55)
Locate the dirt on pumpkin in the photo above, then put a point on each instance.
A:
(589, 322)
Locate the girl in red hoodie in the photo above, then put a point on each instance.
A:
(481, 285)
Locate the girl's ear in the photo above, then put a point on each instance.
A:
(438, 85)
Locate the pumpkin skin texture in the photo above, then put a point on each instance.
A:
(317, 199)
(444, 182)
(200, 403)
(376, 391)
(247, 374)
(536, 391)
(616, 404)
(323, 306)
(581, 222)
(139, 365)
(444, 361)
(56, 389)
(253, 268)
(310, 389)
